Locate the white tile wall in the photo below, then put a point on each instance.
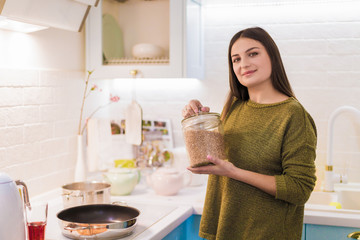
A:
(38, 125)
(39, 108)
(321, 52)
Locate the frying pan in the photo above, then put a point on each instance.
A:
(98, 221)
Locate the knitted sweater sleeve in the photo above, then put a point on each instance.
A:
(297, 180)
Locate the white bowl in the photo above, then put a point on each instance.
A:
(147, 50)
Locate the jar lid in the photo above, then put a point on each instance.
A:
(203, 120)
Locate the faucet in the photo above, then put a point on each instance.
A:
(330, 176)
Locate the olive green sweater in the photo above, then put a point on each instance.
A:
(274, 139)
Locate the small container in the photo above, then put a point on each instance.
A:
(122, 180)
(82, 193)
(147, 51)
(204, 135)
(36, 220)
(168, 181)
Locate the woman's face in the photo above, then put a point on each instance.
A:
(251, 63)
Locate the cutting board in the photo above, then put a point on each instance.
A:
(112, 40)
(133, 123)
(133, 117)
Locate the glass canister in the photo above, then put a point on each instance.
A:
(203, 135)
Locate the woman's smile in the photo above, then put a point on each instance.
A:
(248, 73)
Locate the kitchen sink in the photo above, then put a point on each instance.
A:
(341, 199)
(322, 198)
(349, 199)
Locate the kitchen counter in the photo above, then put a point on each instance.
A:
(331, 216)
(159, 215)
(162, 214)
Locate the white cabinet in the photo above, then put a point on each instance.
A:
(173, 25)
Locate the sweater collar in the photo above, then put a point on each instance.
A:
(261, 105)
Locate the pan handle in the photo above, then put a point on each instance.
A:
(74, 227)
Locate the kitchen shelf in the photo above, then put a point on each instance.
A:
(178, 32)
(137, 61)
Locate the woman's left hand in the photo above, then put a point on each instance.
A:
(221, 167)
(267, 183)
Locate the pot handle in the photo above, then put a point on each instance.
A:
(68, 195)
(25, 193)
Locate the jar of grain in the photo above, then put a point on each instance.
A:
(203, 134)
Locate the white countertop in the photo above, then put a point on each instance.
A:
(162, 214)
(159, 215)
(331, 216)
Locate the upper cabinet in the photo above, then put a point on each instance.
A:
(63, 14)
(159, 38)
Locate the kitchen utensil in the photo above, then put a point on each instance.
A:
(203, 134)
(36, 219)
(168, 181)
(80, 193)
(133, 118)
(112, 40)
(147, 50)
(98, 221)
(122, 180)
(12, 222)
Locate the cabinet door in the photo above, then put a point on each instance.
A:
(178, 233)
(176, 41)
(317, 232)
(188, 230)
(303, 232)
(194, 47)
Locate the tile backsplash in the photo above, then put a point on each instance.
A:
(39, 105)
(38, 117)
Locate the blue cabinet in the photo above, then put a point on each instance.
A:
(303, 232)
(188, 230)
(316, 232)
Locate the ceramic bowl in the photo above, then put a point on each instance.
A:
(122, 180)
(147, 50)
(168, 181)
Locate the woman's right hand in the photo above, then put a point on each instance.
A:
(193, 107)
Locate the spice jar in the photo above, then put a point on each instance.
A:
(203, 135)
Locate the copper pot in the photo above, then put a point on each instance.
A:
(80, 193)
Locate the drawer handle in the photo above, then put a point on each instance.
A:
(354, 235)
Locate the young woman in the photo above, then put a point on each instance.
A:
(259, 192)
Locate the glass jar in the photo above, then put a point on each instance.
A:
(203, 135)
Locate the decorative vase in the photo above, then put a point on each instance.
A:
(80, 167)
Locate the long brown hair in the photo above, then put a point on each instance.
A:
(278, 74)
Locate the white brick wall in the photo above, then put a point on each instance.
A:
(321, 51)
(39, 111)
